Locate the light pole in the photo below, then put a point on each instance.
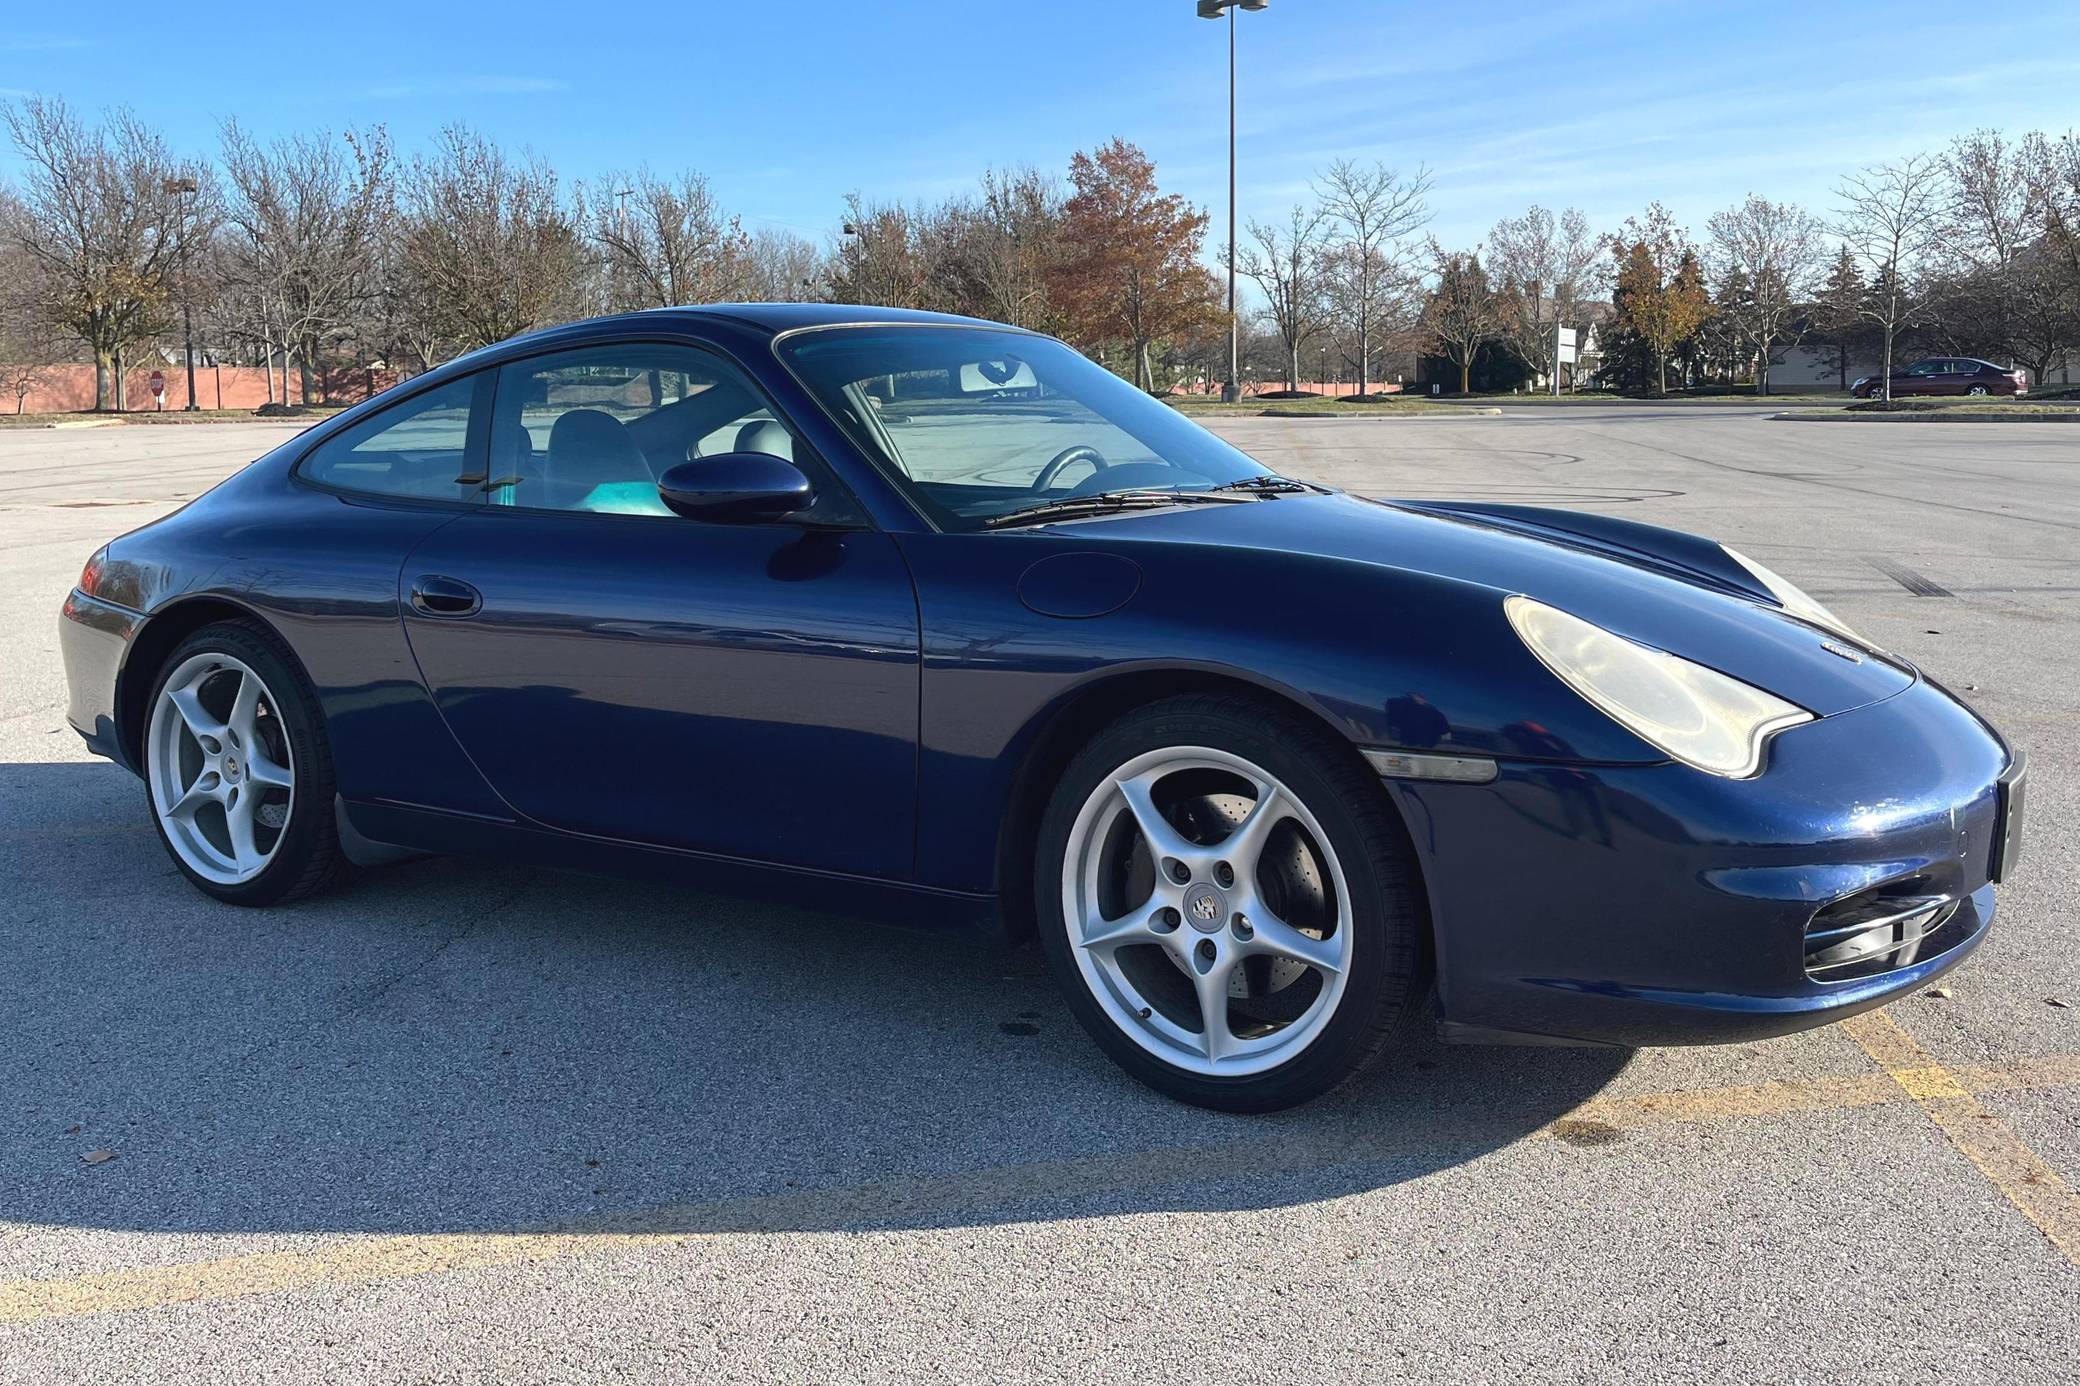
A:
(185, 187)
(1214, 9)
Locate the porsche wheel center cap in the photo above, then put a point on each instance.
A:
(231, 769)
(1206, 908)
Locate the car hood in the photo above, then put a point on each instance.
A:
(1673, 591)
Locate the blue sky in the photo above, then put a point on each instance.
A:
(787, 106)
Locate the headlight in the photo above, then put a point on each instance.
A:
(1697, 715)
(1794, 600)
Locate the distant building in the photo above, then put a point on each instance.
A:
(1810, 369)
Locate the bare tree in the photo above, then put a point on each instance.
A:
(304, 237)
(1776, 251)
(1543, 269)
(1891, 219)
(1369, 267)
(30, 348)
(1004, 246)
(877, 260)
(1460, 315)
(1286, 262)
(781, 267)
(98, 216)
(666, 242)
(489, 248)
(2004, 272)
(2056, 187)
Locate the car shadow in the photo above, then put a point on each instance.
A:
(451, 1046)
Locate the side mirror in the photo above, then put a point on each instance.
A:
(736, 488)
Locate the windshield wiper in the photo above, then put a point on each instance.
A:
(1106, 501)
(1266, 484)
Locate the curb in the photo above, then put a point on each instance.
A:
(1454, 413)
(1928, 416)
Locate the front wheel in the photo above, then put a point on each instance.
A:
(1230, 903)
(237, 769)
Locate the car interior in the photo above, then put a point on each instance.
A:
(597, 438)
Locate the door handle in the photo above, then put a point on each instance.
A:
(433, 595)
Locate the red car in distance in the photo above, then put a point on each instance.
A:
(1945, 375)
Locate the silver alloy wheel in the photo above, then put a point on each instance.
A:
(1196, 886)
(1976, 390)
(221, 771)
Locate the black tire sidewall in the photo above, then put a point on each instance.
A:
(1388, 918)
(308, 853)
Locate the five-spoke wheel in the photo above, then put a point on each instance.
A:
(1209, 916)
(1230, 902)
(220, 768)
(236, 766)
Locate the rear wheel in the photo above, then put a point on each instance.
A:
(1976, 390)
(1230, 903)
(237, 770)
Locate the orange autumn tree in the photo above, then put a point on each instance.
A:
(1131, 272)
(1660, 298)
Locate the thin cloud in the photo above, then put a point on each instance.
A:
(407, 88)
(39, 44)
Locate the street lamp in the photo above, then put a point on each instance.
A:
(185, 187)
(1213, 9)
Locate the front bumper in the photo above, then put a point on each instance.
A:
(93, 637)
(1654, 905)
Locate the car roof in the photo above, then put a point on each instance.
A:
(773, 318)
(786, 317)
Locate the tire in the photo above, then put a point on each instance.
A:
(1976, 390)
(1319, 950)
(268, 764)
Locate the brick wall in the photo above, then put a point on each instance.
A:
(68, 388)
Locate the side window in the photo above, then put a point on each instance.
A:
(593, 429)
(417, 449)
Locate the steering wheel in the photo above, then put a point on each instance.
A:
(1079, 453)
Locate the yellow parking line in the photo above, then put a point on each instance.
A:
(1988, 1142)
(361, 1260)
(233, 1277)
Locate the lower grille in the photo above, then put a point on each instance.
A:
(1874, 933)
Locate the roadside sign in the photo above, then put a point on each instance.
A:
(1567, 346)
(159, 388)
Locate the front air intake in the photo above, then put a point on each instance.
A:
(1876, 932)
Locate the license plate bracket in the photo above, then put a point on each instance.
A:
(2007, 838)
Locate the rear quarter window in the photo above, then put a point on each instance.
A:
(417, 449)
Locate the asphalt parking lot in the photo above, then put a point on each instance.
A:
(473, 1122)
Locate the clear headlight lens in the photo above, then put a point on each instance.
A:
(1792, 599)
(1697, 715)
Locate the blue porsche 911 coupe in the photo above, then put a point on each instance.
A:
(931, 616)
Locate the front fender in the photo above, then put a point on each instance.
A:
(1688, 556)
(1384, 656)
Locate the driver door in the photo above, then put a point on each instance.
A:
(618, 671)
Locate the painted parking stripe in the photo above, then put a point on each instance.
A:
(343, 1263)
(1988, 1142)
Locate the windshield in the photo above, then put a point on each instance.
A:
(975, 423)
